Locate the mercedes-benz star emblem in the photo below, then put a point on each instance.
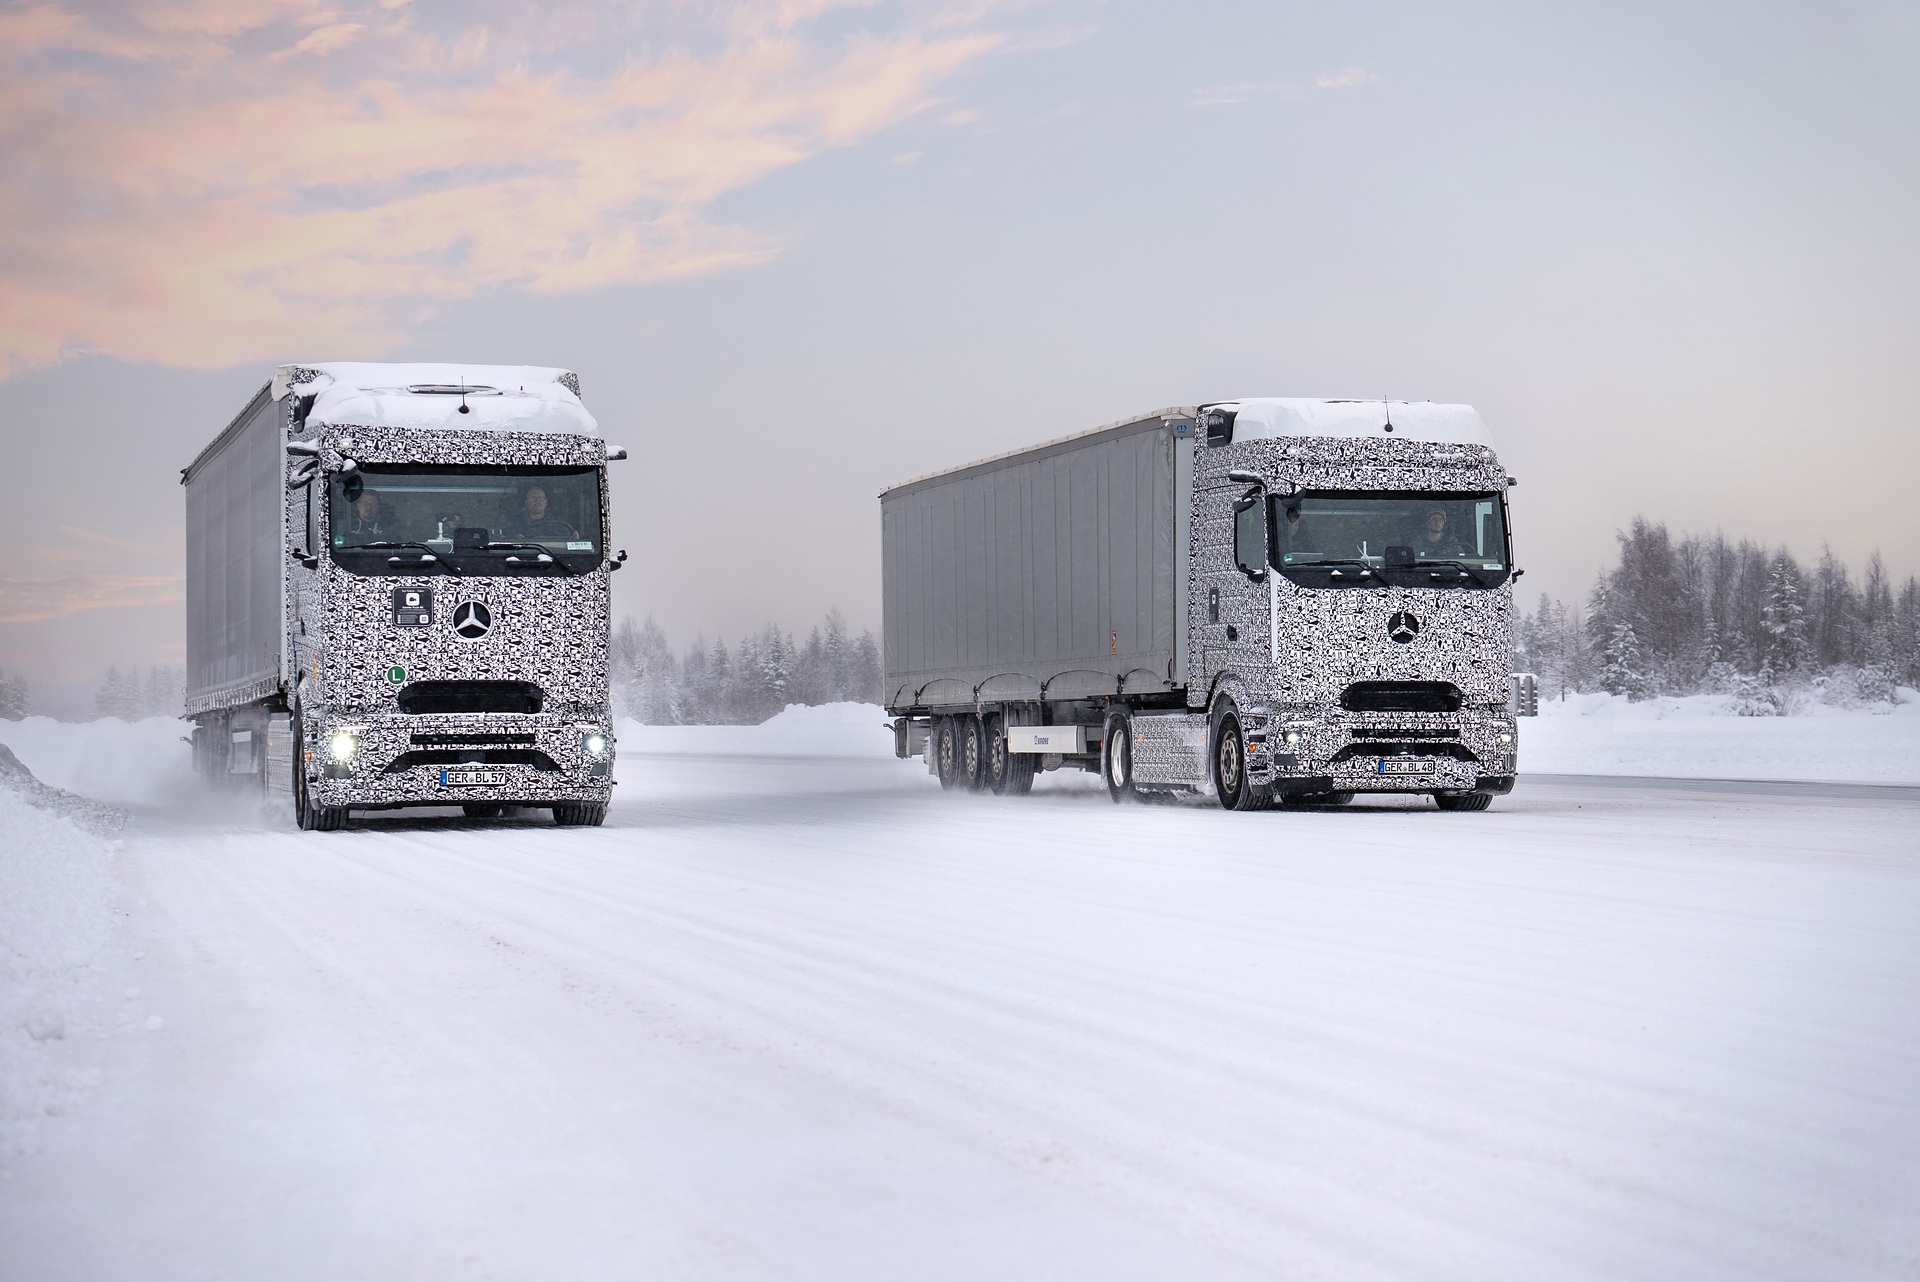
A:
(472, 620)
(1402, 627)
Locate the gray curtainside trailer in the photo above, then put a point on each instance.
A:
(1273, 600)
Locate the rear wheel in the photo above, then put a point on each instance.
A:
(973, 753)
(1116, 758)
(580, 814)
(946, 752)
(1230, 781)
(1470, 801)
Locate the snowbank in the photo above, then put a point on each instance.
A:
(56, 918)
(1699, 737)
(828, 730)
(137, 764)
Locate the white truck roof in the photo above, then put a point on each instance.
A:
(1266, 417)
(505, 398)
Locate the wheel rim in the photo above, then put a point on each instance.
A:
(1118, 759)
(1229, 756)
(946, 750)
(970, 753)
(997, 758)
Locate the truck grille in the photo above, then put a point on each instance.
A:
(471, 757)
(422, 697)
(1401, 696)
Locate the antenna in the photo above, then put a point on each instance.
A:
(1383, 401)
(463, 393)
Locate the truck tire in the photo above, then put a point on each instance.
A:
(1235, 790)
(1116, 758)
(973, 753)
(1470, 801)
(1009, 774)
(309, 817)
(946, 752)
(580, 814)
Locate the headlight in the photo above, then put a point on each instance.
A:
(1293, 736)
(343, 745)
(1505, 738)
(594, 745)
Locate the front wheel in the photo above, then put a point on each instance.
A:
(1230, 781)
(580, 814)
(1471, 801)
(310, 817)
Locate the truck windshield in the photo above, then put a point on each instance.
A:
(467, 519)
(1342, 539)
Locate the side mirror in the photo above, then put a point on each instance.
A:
(618, 561)
(1250, 536)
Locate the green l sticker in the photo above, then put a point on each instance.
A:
(397, 674)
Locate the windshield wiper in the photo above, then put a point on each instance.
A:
(433, 554)
(1466, 571)
(1331, 566)
(545, 557)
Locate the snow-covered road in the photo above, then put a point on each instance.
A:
(812, 1018)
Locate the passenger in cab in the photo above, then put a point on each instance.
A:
(535, 525)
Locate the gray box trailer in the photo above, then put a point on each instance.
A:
(236, 644)
(1057, 572)
(1272, 599)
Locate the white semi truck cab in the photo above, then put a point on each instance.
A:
(1275, 600)
(397, 593)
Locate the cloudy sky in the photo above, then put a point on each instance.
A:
(802, 249)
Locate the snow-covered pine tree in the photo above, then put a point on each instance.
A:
(113, 699)
(1783, 620)
(16, 701)
(1624, 671)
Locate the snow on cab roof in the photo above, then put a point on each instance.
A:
(1266, 417)
(505, 398)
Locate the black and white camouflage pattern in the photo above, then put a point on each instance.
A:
(552, 630)
(1296, 649)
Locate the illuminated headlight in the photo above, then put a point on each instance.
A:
(343, 745)
(1505, 737)
(594, 744)
(1292, 737)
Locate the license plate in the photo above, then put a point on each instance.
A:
(472, 778)
(1406, 766)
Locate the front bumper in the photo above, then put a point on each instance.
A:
(1305, 751)
(401, 760)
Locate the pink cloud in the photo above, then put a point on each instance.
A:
(38, 600)
(179, 197)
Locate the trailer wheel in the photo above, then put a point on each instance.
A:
(1468, 801)
(580, 814)
(309, 817)
(946, 752)
(1116, 757)
(973, 753)
(1230, 781)
(1009, 774)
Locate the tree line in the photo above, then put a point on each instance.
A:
(1698, 614)
(744, 685)
(16, 697)
(127, 695)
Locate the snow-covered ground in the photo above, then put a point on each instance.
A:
(796, 1013)
(1695, 738)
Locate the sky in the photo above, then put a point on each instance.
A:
(801, 250)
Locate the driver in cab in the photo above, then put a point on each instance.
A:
(1434, 542)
